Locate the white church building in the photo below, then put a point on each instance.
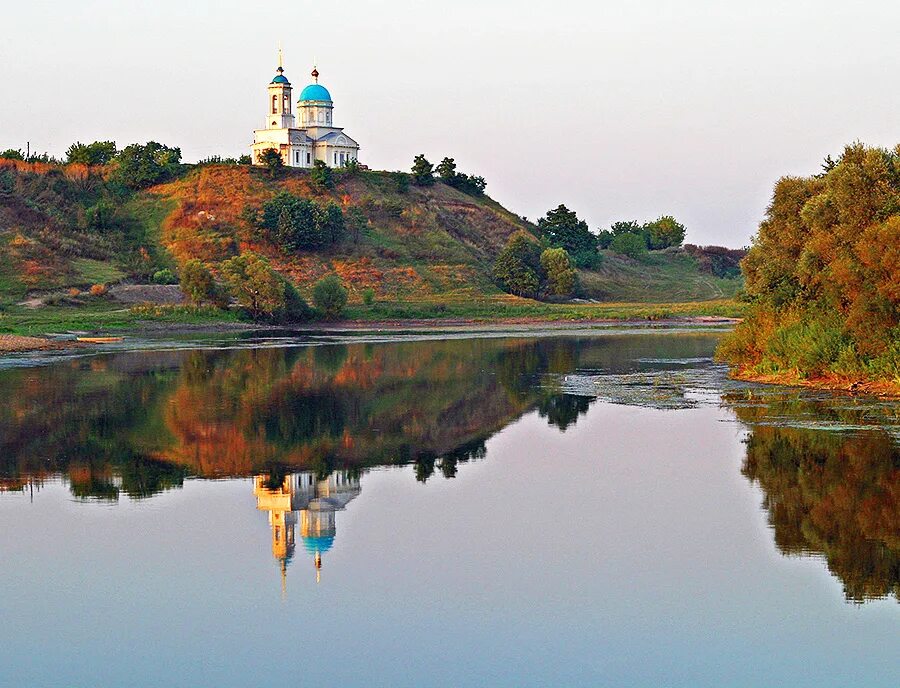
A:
(316, 137)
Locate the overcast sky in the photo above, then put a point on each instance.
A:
(619, 109)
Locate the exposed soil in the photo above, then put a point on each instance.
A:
(878, 388)
(14, 343)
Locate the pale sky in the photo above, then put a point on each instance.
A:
(619, 109)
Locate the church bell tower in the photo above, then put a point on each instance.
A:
(279, 114)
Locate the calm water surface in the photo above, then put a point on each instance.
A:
(512, 511)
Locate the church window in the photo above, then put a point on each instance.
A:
(321, 116)
(297, 157)
(274, 104)
(307, 158)
(286, 103)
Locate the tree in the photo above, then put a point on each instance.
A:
(446, 169)
(244, 159)
(272, 161)
(559, 271)
(422, 171)
(321, 175)
(357, 222)
(198, 284)
(143, 165)
(12, 154)
(517, 269)
(298, 224)
(96, 153)
(562, 229)
(629, 244)
(330, 296)
(254, 283)
(664, 232)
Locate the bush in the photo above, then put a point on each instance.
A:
(628, 244)
(330, 296)
(272, 161)
(368, 296)
(254, 283)
(164, 276)
(295, 307)
(298, 224)
(98, 290)
(558, 268)
(143, 165)
(321, 175)
(401, 180)
(517, 269)
(422, 171)
(96, 153)
(198, 284)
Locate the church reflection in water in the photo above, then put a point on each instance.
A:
(311, 500)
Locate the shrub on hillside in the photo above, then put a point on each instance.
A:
(628, 244)
(321, 175)
(199, 285)
(561, 228)
(164, 276)
(329, 296)
(558, 269)
(96, 153)
(141, 165)
(470, 184)
(517, 269)
(272, 161)
(422, 171)
(664, 232)
(254, 283)
(298, 224)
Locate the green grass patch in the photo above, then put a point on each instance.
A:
(92, 271)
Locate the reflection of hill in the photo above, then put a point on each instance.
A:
(827, 493)
(138, 423)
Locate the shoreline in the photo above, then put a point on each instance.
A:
(877, 388)
(14, 343)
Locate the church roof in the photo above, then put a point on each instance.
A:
(318, 544)
(280, 78)
(315, 92)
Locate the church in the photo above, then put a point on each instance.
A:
(315, 139)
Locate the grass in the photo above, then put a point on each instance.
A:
(101, 315)
(92, 271)
(508, 308)
(656, 277)
(104, 316)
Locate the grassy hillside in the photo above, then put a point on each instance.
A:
(422, 251)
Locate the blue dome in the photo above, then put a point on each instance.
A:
(280, 79)
(315, 92)
(318, 544)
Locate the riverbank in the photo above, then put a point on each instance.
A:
(879, 388)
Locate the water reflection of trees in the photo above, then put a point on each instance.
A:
(136, 424)
(828, 493)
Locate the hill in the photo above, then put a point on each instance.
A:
(66, 228)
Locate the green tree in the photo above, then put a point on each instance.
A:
(298, 224)
(562, 229)
(254, 283)
(401, 179)
(629, 244)
(96, 153)
(446, 169)
(198, 284)
(559, 271)
(664, 232)
(422, 171)
(100, 216)
(322, 175)
(272, 161)
(517, 269)
(330, 296)
(357, 222)
(12, 154)
(143, 165)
